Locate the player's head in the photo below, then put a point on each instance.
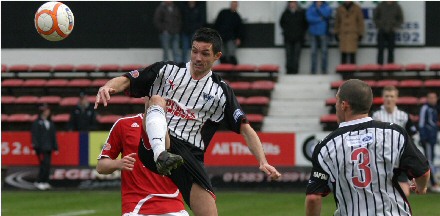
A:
(44, 110)
(206, 49)
(390, 94)
(431, 98)
(354, 97)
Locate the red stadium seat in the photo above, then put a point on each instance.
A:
(86, 68)
(108, 119)
(240, 85)
(255, 118)
(69, 101)
(131, 67)
(245, 68)
(263, 85)
(19, 118)
(257, 100)
(336, 84)
(329, 118)
(99, 82)
(109, 68)
(271, 68)
(434, 67)
(57, 83)
(4, 68)
(415, 67)
(34, 83)
(371, 83)
(378, 101)
(392, 67)
(408, 101)
(26, 100)
(12, 83)
(8, 99)
(64, 68)
(346, 68)
(41, 68)
(422, 100)
(369, 68)
(383, 83)
(241, 100)
(117, 99)
(330, 101)
(49, 99)
(223, 68)
(19, 68)
(61, 117)
(410, 84)
(79, 83)
(432, 83)
(5, 117)
(137, 101)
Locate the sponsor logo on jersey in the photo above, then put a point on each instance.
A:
(237, 114)
(176, 110)
(320, 175)
(207, 97)
(171, 84)
(134, 74)
(135, 125)
(359, 140)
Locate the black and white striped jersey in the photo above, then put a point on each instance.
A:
(361, 161)
(398, 117)
(195, 108)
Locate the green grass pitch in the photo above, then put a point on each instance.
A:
(71, 203)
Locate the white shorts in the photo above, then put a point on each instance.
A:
(180, 213)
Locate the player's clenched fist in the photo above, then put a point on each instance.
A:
(127, 162)
(270, 171)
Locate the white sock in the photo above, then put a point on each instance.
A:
(156, 125)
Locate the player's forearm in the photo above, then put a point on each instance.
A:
(253, 142)
(313, 205)
(119, 84)
(107, 166)
(422, 182)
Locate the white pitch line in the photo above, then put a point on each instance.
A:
(83, 212)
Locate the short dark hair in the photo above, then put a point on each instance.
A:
(358, 94)
(209, 35)
(390, 88)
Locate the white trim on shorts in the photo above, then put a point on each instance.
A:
(135, 211)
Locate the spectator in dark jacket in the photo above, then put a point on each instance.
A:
(83, 116)
(294, 24)
(387, 17)
(193, 19)
(230, 27)
(168, 21)
(44, 142)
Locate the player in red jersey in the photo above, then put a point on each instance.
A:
(143, 192)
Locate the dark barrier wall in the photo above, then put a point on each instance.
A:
(130, 25)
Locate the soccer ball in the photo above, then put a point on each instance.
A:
(54, 21)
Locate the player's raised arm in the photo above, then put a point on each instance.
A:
(256, 148)
(113, 86)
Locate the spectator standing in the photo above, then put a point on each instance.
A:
(318, 16)
(83, 116)
(388, 17)
(428, 133)
(168, 21)
(294, 24)
(349, 29)
(360, 160)
(230, 27)
(193, 19)
(389, 112)
(44, 142)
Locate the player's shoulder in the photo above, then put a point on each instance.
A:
(129, 120)
(387, 125)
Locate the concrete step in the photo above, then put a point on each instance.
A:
(296, 108)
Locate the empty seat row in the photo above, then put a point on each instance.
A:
(53, 82)
(271, 68)
(71, 68)
(410, 83)
(347, 68)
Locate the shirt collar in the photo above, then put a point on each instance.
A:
(356, 121)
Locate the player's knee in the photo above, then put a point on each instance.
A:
(157, 100)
